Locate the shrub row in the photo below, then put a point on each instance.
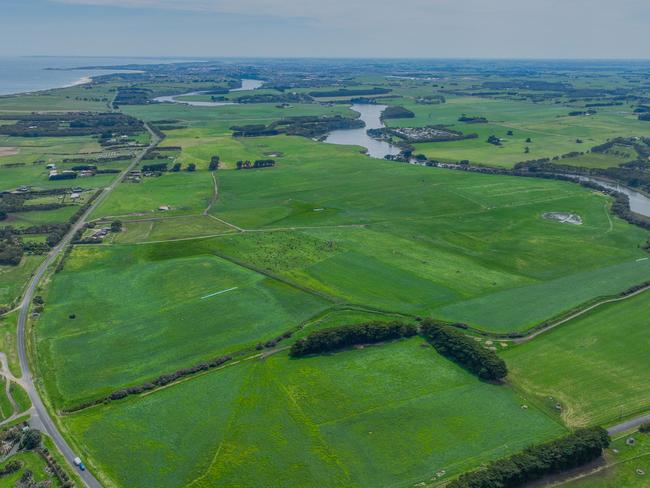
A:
(161, 380)
(56, 468)
(11, 467)
(349, 335)
(535, 462)
(467, 352)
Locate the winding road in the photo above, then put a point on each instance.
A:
(40, 418)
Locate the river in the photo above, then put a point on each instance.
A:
(371, 115)
(639, 203)
(246, 84)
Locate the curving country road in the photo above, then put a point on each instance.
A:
(40, 417)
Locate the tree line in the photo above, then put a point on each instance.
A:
(350, 92)
(535, 462)
(327, 340)
(258, 163)
(161, 380)
(465, 351)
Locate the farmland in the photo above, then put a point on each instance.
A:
(201, 254)
(606, 357)
(387, 414)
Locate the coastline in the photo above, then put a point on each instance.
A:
(22, 75)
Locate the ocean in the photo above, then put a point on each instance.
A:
(28, 74)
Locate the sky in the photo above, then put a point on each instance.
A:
(327, 28)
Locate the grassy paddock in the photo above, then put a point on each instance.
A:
(141, 312)
(386, 415)
(595, 365)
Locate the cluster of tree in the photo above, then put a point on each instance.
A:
(464, 350)
(472, 119)
(70, 124)
(350, 92)
(641, 109)
(30, 440)
(11, 251)
(603, 104)
(254, 130)
(11, 467)
(35, 248)
(275, 98)
(65, 175)
(644, 117)
(535, 462)
(154, 167)
(306, 126)
(349, 335)
(161, 380)
(578, 113)
(494, 140)
(84, 167)
(27, 480)
(645, 427)
(258, 163)
(364, 100)
(131, 95)
(396, 112)
(431, 100)
(214, 163)
(123, 157)
(569, 155)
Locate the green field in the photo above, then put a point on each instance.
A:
(388, 415)
(14, 278)
(213, 263)
(551, 131)
(143, 312)
(595, 366)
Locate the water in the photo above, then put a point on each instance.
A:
(639, 203)
(28, 74)
(246, 84)
(371, 115)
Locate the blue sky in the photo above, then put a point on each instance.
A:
(324, 28)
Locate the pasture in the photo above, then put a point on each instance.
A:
(146, 310)
(389, 415)
(595, 365)
(216, 263)
(551, 130)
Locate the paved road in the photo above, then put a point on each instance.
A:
(629, 424)
(40, 417)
